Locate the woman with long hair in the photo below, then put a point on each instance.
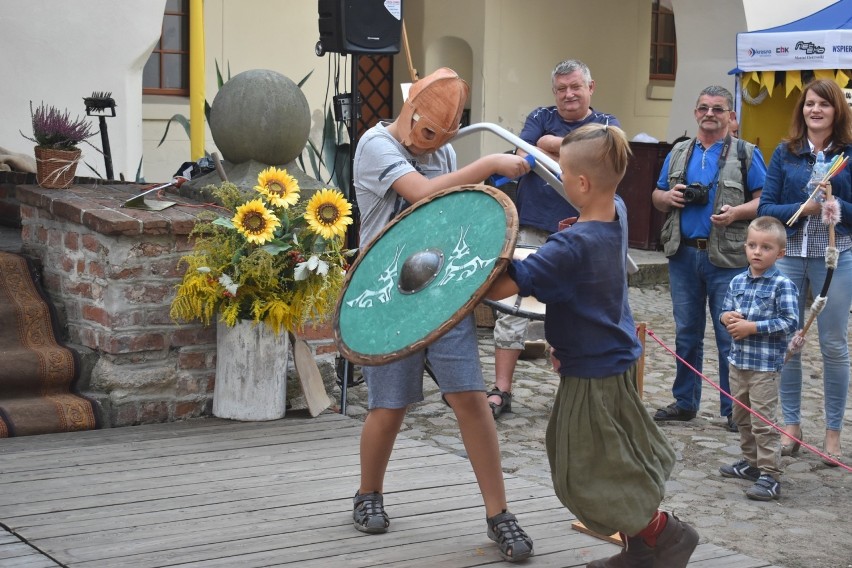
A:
(821, 123)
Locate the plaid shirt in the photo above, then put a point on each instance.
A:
(770, 301)
(812, 240)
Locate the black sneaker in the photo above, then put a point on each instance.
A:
(766, 488)
(674, 412)
(730, 425)
(742, 470)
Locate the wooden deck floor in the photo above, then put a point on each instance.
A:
(211, 493)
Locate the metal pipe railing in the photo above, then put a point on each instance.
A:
(545, 166)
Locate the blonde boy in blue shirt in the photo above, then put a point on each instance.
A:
(760, 311)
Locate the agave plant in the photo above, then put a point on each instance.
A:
(331, 154)
(184, 121)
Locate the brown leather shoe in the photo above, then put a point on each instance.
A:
(636, 554)
(675, 544)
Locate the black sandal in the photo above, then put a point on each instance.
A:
(514, 543)
(505, 404)
(369, 514)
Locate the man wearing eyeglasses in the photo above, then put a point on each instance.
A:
(710, 187)
(540, 207)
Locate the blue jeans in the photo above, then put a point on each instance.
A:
(695, 283)
(832, 323)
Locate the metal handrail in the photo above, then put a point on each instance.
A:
(545, 166)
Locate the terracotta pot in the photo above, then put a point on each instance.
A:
(55, 168)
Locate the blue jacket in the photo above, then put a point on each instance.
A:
(786, 186)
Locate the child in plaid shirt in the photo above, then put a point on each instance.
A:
(760, 312)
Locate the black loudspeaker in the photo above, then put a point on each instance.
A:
(359, 26)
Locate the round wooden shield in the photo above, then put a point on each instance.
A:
(424, 273)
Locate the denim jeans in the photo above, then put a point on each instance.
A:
(832, 324)
(695, 283)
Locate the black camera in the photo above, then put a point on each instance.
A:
(696, 193)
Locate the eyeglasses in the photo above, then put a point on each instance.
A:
(703, 109)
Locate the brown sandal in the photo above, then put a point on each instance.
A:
(505, 404)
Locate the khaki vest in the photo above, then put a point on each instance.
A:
(725, 246)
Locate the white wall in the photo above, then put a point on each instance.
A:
(61, 52)
(510, 47)
(515, 46)
(244, 34)
(762, 14)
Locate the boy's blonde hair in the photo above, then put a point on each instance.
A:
(772, 226)
(598, 151)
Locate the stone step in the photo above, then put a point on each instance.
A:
(653, 269)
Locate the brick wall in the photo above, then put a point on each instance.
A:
(112, 272)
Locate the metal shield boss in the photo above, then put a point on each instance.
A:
(424, 273)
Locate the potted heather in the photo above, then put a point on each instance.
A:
(57, 136)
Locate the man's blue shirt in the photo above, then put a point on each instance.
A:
(539, 205)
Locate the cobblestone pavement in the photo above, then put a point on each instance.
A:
(809, 527)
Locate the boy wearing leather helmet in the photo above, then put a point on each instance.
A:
(397, 164)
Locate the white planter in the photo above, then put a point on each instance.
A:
(251, 372)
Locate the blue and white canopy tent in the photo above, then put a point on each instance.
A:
(773, 64)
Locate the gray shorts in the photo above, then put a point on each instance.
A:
(510, 332)
(454, 359)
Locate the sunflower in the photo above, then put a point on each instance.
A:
(280, 188)
(255, 222)
(328, 213)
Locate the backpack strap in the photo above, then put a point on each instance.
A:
(744, 164)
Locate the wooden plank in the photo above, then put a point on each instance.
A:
(34, 560)
(8, 538)
(165, 498)
(195, 445)
(612, 538)
(274, 509)
(310, 377)
(470, 549)
(174, 432)
(641, 332)
(314, 545)
(281, 521)
(219, 493)
(129, 434)
(31, 468)
(308, 529)
(14, 552)
(255, 470)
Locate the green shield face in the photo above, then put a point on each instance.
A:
(424, 272)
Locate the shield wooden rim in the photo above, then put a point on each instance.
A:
(503, 259)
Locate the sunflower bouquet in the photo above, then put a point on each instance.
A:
(275, 259)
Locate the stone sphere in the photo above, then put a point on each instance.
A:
(260, 115)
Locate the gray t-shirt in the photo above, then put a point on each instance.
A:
(380, 160)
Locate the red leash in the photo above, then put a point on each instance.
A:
(752, 412)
